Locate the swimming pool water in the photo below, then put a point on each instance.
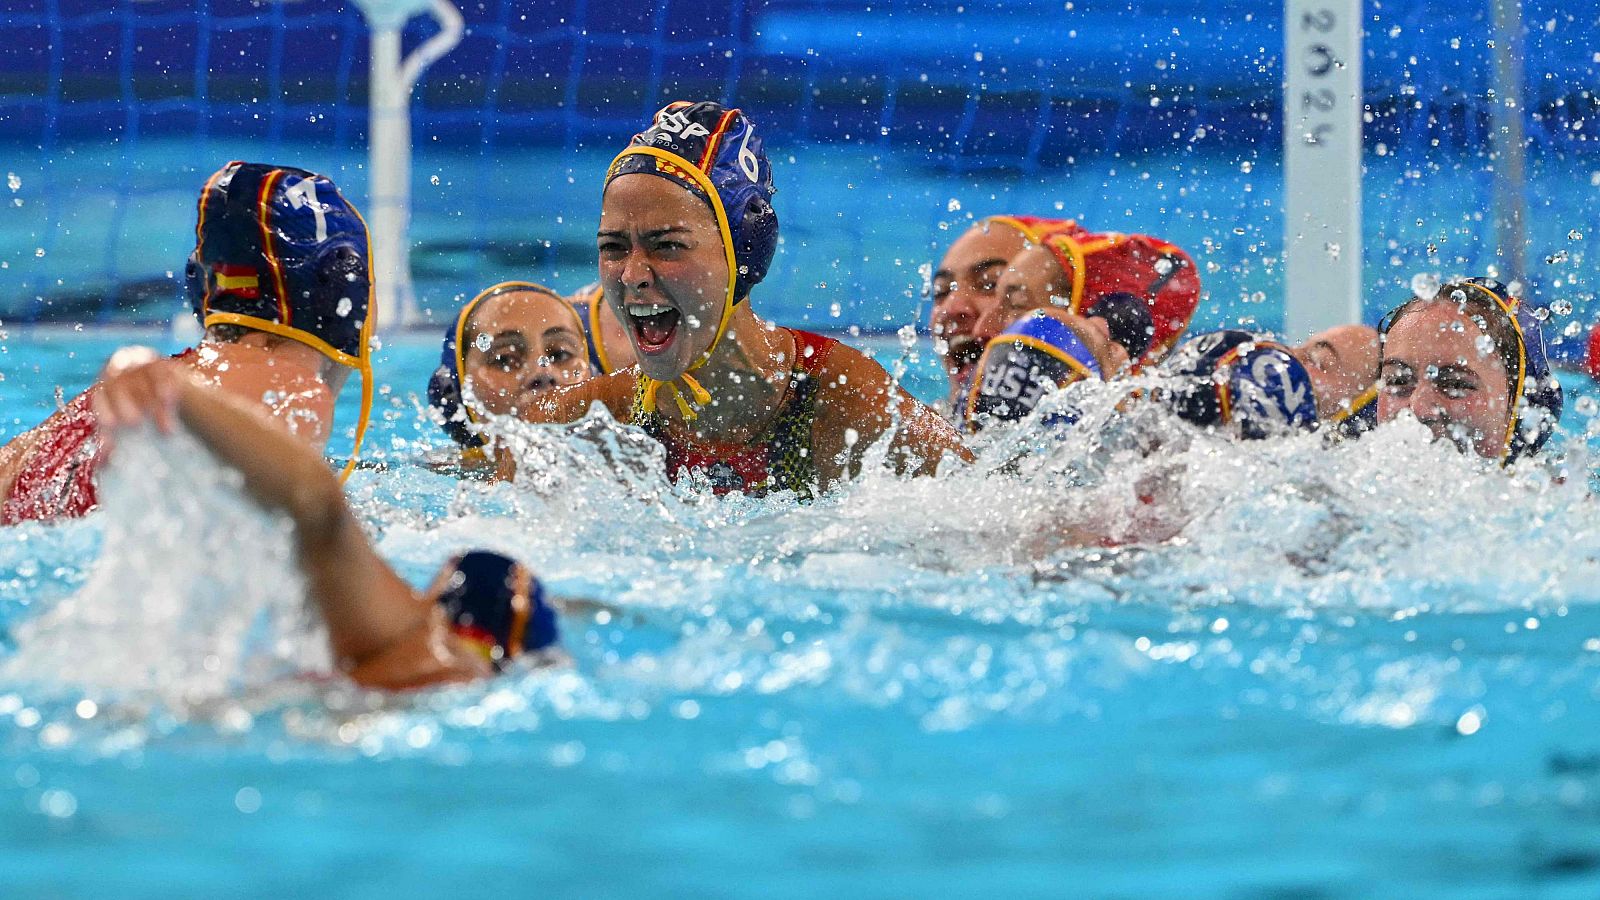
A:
(1344, 678)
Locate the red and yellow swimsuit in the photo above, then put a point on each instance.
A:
(57, 480)
(782, 459)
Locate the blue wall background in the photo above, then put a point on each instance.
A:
(904, 121)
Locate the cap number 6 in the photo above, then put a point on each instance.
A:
(747, 160)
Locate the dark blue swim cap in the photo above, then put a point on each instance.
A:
(1241, 379)
(279, 249)
(498, 604)
(721, 147)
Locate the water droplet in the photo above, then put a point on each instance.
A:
(953, 206)
(247, 800)
(1484, 343)
(344, 307)
(433, 179)
(908, 336)
(13, 181)
(1561, 307)
(58, 804)
(1425, 285)
(483, 342)
(1574, 235)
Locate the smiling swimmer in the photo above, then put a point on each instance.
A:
(1075, 270)
(1470, 364)
(280, 281)
(508, 344)
(966, 287)
(686, 231)
(482, 612)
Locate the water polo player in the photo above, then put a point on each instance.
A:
(1074, 270)
(482, 611)
(966, 287)
(609, 348)
(508, 344)
(1050, 339)
(280, 281)
(686, 231)
(1470, 364)
(1042, 352)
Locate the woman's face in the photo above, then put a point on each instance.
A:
(663, 270)
(1440, 364)
(521, 344)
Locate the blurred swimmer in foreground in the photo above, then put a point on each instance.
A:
(966, 288)
(686, 231)
(507, 345)
(1470, 364)
(280, 281)
(482, 611)
(609, 349)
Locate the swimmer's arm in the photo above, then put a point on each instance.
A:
(569, 404)
(858, 395)
(380, 631)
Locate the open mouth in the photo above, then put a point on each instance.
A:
(963, 350)
(654, 326)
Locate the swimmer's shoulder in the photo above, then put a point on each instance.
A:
(17, 454)
(855, 393)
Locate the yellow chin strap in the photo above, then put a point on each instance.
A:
(1508, 306)
(675, 166)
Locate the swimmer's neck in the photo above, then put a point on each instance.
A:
(748, 378)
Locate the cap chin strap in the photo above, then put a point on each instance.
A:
(1508, 306)
(675, 166)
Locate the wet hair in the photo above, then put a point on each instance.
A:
(1475, 302)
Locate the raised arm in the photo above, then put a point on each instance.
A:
(382, 633)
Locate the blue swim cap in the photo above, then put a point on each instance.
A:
(1036, 354)
(280, 250)
(497, 604)
(1241, 379)
(710, 149)
(444, 386)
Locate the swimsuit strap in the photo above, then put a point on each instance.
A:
(793, 464)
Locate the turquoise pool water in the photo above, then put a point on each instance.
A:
(1346, 677)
